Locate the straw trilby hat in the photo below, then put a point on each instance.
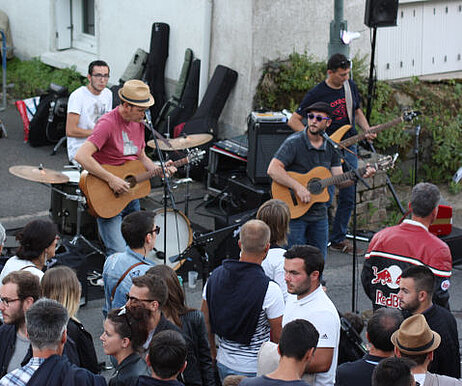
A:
(136, 93)
(415, 337)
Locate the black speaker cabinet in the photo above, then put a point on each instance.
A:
(381, 13)
(264, 139)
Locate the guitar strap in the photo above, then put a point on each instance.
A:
(348, 101)
(123, 277)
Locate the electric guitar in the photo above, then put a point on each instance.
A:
(340, 132)
(104, 202)
(316, 181)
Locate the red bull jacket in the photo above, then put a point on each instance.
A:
(396, 248)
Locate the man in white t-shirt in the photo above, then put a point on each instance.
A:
(242, 306)
(86, 105)
(303, 268)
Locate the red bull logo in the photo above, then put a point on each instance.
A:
(390, 276)
(391, 302)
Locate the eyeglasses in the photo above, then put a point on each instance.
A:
(317, 117)
(101, 76)
(136, 300)
(156, 230)
(7, 301)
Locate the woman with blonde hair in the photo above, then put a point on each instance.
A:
(61, 284)
(276, 214)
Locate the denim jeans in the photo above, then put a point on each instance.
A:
(110, 231)
(345, 202)
(224, 371)
(313, 233)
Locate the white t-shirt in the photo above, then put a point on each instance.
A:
(318, 309)
(16, 264)
(243, 357)
(273, 265)
(90, 107)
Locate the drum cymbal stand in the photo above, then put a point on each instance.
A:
(81, 201)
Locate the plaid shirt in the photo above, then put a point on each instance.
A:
(22, 375)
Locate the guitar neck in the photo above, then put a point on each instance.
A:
(374, 129)
(335, 180)
(157, 172)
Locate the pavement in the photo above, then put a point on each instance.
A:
(22, 201)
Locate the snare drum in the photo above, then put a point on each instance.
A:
(63, 211)
(179, 237)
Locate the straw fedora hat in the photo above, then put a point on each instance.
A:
(136, 93)
(415, 337)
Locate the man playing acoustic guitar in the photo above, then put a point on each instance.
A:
(300, 153)
(118, 137)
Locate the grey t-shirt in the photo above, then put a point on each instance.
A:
(19, 353)
(299, 155)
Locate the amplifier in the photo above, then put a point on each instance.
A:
(265, 137)
(223, 164)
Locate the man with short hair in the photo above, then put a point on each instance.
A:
(416, 341)
(300, 153)
(396, 248)
(339, 92)
(118, 137)
(46, 323)
(383, 323)
(415, 297)
(139, 231)
(241, 305)
(303, 267)
(167, 359)
(86, 105)
(296, 347)
(393, 372)
(19, 291)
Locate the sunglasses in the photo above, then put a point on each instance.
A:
(317, 117)
(156, 230)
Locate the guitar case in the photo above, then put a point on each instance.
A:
(155, 67)
(205, 119)
(172, 104)
(135, 68)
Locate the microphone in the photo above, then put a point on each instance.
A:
(147, 117)
(328, 140)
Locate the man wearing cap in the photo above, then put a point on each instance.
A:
(86, 105)
(415, 297)
(300, 153)
(119, 137)
(415, 340)
(342, 96)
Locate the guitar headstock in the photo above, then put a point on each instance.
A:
(409, 115)
(195, 156)
(387, 162)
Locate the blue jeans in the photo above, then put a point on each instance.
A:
(313, 233)
(345, 202)
(110, 229)
(224, 371)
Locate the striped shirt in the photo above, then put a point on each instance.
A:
(22, 375)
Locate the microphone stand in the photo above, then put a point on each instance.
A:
(349, 167)
(167, 189)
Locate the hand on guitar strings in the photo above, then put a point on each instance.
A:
(118, 185)
(302, 193)
(370, 171)
(370, 136)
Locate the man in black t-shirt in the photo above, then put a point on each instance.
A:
(332, 91)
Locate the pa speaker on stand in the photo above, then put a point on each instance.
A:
(381, 13)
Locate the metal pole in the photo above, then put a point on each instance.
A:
(371, 83)
(336, 46)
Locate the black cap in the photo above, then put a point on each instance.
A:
(319, 106)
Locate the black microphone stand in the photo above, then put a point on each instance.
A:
(349, 167)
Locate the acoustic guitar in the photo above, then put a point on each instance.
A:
(104, 202)
(340, 132)
(316, 181)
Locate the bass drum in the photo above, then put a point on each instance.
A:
(179, 237)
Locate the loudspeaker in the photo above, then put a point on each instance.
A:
(264, 140)
(381, 13)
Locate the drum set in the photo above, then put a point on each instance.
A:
(68, 208)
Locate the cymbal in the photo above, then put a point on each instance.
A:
(39, 174)
(182, 143)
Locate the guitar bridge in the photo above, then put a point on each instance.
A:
(293, 196)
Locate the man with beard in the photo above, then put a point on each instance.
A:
(303, 268)
(300, 153)
(415, 297)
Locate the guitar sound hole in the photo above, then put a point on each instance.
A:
(315, 186)
(131, 181)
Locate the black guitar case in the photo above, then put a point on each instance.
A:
(205, 119)
(155, 67)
